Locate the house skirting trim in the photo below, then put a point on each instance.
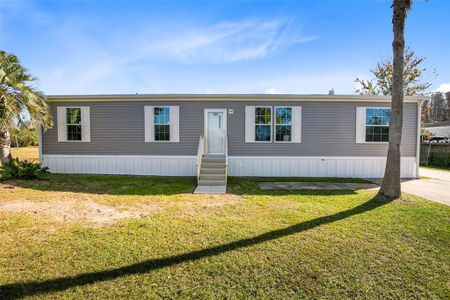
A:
(121, 164)
(315, 166)
(264, 166)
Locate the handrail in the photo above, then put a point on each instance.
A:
(226, 158)
(200, 153)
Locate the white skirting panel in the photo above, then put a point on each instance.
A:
(121, 164)
(307, 166)
(263, 166)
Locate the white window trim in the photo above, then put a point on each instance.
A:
(83, 124)
(69, 124)
(275, 125)
(154, 124)
(271, 124)
(149, 123)
(364, 125)
(249, 124)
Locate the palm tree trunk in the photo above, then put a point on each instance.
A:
(5, 146)
(390, 186)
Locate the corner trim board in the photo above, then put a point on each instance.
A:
(419, 126)
(40, 133)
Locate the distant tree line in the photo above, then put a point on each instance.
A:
(437, 109)
(24, 135)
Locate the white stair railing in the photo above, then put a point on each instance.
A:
(226, 159)
(200, 153)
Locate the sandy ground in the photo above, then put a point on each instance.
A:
(68, 207)
(78, 211)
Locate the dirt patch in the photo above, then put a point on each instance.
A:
(211, 199)
(193, 203)
(79, 211)
(100, 210)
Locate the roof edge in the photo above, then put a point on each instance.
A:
(225, 97)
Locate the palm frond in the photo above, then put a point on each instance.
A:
(18, 94)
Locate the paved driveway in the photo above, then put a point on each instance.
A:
(436, 187)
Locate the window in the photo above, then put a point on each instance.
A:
(263, 124)
(162, 123)
(283, 124)
(73, 123)
(377, 124)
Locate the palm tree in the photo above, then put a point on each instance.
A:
(390, 186)
(18, 96)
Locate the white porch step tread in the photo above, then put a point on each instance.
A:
(220, 177)
(212, 182)
(213, 159)
(207, 189)
(212, 171)
(212, 165)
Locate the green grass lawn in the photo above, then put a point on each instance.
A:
(246, 244)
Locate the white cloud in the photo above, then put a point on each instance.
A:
(120, 62)
(444, 87)
(224, 42)
(272, 90)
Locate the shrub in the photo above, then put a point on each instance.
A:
(436, 155)
(439, 161)
(22, 169)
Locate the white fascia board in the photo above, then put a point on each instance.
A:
(226, 97)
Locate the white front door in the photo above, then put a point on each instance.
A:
(215, 131)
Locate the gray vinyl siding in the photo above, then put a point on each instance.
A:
(328, 129)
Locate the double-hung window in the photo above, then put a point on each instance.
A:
(277, 124)
(283, 124)
(263, 124)
(73, 123)
(162, 123)
(377, 124)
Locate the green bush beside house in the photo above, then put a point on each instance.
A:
(436, 155)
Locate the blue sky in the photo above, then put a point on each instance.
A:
(93, 47)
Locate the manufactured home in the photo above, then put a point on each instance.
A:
(215, 136)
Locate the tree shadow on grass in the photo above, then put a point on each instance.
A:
(32, 288)
(115, 185)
